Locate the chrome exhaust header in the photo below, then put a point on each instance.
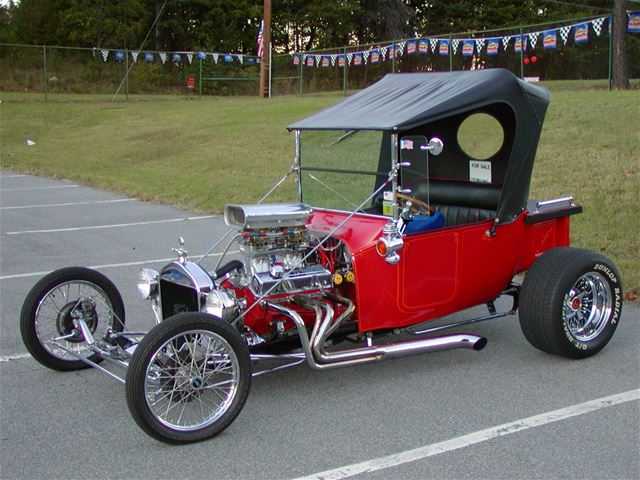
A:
(319, 359)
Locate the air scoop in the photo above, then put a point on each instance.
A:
(271, 215)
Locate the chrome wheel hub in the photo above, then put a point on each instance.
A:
(587, 306)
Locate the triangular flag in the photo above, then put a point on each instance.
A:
(349, 57)
(434, 44)
(135, 56)
(533, 39)
(564, 33)
(240, 58)
(318, 59)
(365, 54)
(383, 52)
(333, 59)
(190, 57)
(454, 44)
(215, 57)
(479, 44)
(505, 42)
(400, 48)
(163, 57)
(105, 54)
(597, 25)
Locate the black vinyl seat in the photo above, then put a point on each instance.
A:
(460, 202)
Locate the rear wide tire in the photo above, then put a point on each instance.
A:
(571, 302)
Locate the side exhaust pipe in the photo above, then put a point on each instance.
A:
(319, 359)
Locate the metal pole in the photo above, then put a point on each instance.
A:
(394, 168)
(450, 54)
(297, 164)
(521, 54)
(200, 80)
(301, 74)
(344, 73)
(126, 73)
(610, 30)
(45, 79)
(269, 70)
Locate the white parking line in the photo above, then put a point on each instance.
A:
(12, 176)
(17, 356)
(115, 225)
(473, 438)
(109, 265)
(50, 187)
(95, 202)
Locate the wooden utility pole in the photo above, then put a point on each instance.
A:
(266, 51)
(619, 32)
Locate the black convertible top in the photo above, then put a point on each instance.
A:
(435, 104)
(401, 101)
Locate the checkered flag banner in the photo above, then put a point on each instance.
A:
(400, 47)
(105, 54)
(383, 52)
(189, 57)
(597, 25)
(433, 42)
(505, 42)
(454, 43)
(240, 58)
(135, 56)
(564, 33)
(317, 59)
(479, 44)
(333, 59)
(349, 57)
(215, 57)
(365, 55)
(163, 57)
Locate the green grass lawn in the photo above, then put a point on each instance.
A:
(203, 153)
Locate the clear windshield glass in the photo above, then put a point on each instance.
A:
(339, 169)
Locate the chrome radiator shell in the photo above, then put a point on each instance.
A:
(272, 215)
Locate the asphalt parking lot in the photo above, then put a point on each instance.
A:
(508, 411)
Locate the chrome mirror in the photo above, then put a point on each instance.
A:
(434, 147)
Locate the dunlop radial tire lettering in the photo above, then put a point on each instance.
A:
(570, 302)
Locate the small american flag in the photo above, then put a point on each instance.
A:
(261, 39)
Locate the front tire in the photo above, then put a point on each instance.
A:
(50, 307)
(571, 302)
(188, 379)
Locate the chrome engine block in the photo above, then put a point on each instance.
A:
(274, 240)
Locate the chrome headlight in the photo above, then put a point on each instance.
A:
(147, 283)
(221, 304)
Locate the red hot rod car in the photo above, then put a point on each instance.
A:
(395, 223)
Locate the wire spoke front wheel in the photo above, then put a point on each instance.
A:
(189, 378)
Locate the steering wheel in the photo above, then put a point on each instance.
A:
(417, 204)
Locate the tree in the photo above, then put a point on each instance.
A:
(620, 69)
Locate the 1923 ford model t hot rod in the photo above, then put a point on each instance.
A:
(427, 231)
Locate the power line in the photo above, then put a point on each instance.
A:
(141, 45)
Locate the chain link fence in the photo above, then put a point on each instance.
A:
(55, 72)
(571, 59)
